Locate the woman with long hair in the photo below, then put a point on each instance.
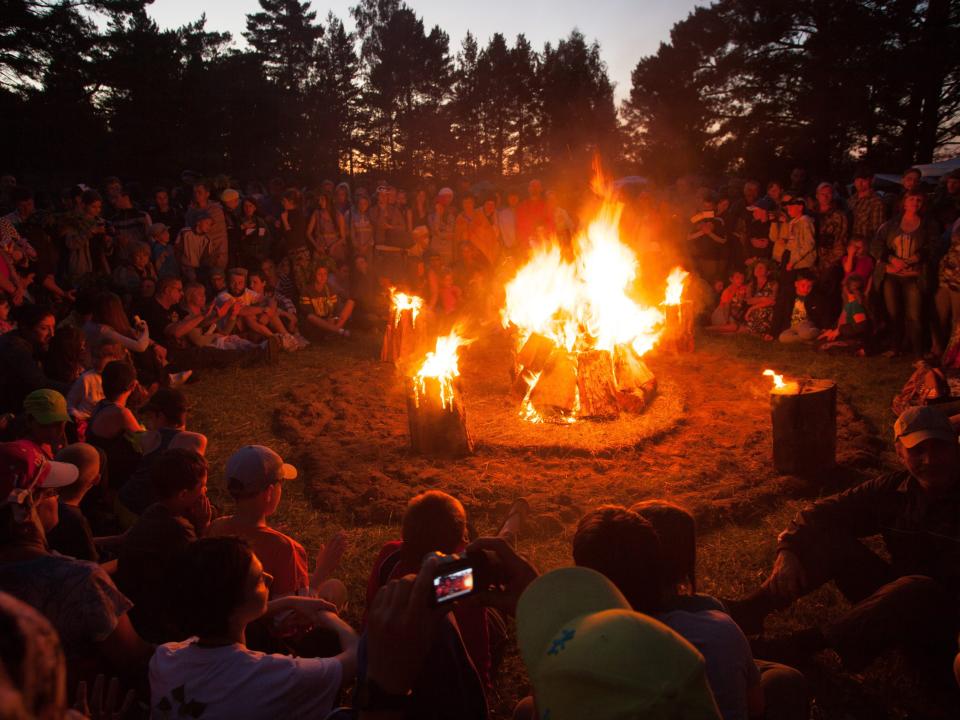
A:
(324, 229)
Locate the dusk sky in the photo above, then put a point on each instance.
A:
(626, 29)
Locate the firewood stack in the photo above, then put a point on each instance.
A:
(595, 384)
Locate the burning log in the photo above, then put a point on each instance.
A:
(804, 416)
(555, 393)
(404, 336)
(435, 411)
(635, 383)
(598, 389)
(437, 428)
(678, 314)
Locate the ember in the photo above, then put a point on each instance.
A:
(580, 336)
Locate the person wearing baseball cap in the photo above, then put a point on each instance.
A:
(589, 655)
(906, 601)
(255, 477)
(47, 418)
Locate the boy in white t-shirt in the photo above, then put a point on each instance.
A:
(213, 675)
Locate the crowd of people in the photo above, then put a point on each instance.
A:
(114, 563)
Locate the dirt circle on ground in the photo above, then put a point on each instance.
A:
(493, 416)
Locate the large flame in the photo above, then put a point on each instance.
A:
(585, 303)
(442, 365)
(400, 302)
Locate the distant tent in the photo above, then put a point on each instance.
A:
(939, 169)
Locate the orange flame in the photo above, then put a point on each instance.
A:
(584, 303)
(442, 365)
(400, 302)
(778, 382)
(675, 281)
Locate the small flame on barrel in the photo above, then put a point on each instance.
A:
(400, 302)
(442, 365)
(676, 279)
(777, 379)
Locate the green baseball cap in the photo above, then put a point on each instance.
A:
(590, 656)
(46, 407)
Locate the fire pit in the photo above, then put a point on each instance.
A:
(580, 334)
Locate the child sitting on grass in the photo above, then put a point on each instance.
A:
(255, 477)
(728, 315)
(853, 329)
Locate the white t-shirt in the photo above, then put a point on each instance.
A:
(229, 682)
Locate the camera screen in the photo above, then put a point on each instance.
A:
(456, 584)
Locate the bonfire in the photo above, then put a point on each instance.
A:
(580, 334)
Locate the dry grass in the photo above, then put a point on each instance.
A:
(741, 502)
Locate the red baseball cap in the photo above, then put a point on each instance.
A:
(23, 466)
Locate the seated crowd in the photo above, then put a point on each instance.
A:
(114, 562)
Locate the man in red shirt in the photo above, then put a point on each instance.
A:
(532, 216)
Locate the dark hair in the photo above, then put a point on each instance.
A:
(28, 316)
(292, 195)
(175, 470)
(4, 298)
(804, 275)
(256, 273)
(89, 197)
(118, 377)
(863, 171)
(170, 403)
(108, 310)
(677, 531)
(214, 575)
(624, 547)
(433, 522)
(167, 281)
(21, 194)
(64, 359)
(204, 183)
(917, 171)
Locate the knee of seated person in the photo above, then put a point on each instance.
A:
(915, 587)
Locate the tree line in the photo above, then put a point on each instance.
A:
(90, 87)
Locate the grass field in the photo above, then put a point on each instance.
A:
(339, 413)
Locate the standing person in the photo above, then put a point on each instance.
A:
(81, 230)
(507, 220)
(360, 231)
(231, 214)
(533, 220)
(162, 211)
(831, 237)
(443, 223)
(324, 231)
(255, 238)
(193, 244)
(390, 234)
(910, 182)
(419, 212)
(293, 224)
(866, 207)
(948, 292)
(708, 241)
(218, 251)
(946, 205)
(908, 242)
(130, 226)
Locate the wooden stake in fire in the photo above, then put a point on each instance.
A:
(438, 420)
(804, 415)
(678, 314)
(405, 334)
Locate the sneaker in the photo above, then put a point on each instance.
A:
(179, 379)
